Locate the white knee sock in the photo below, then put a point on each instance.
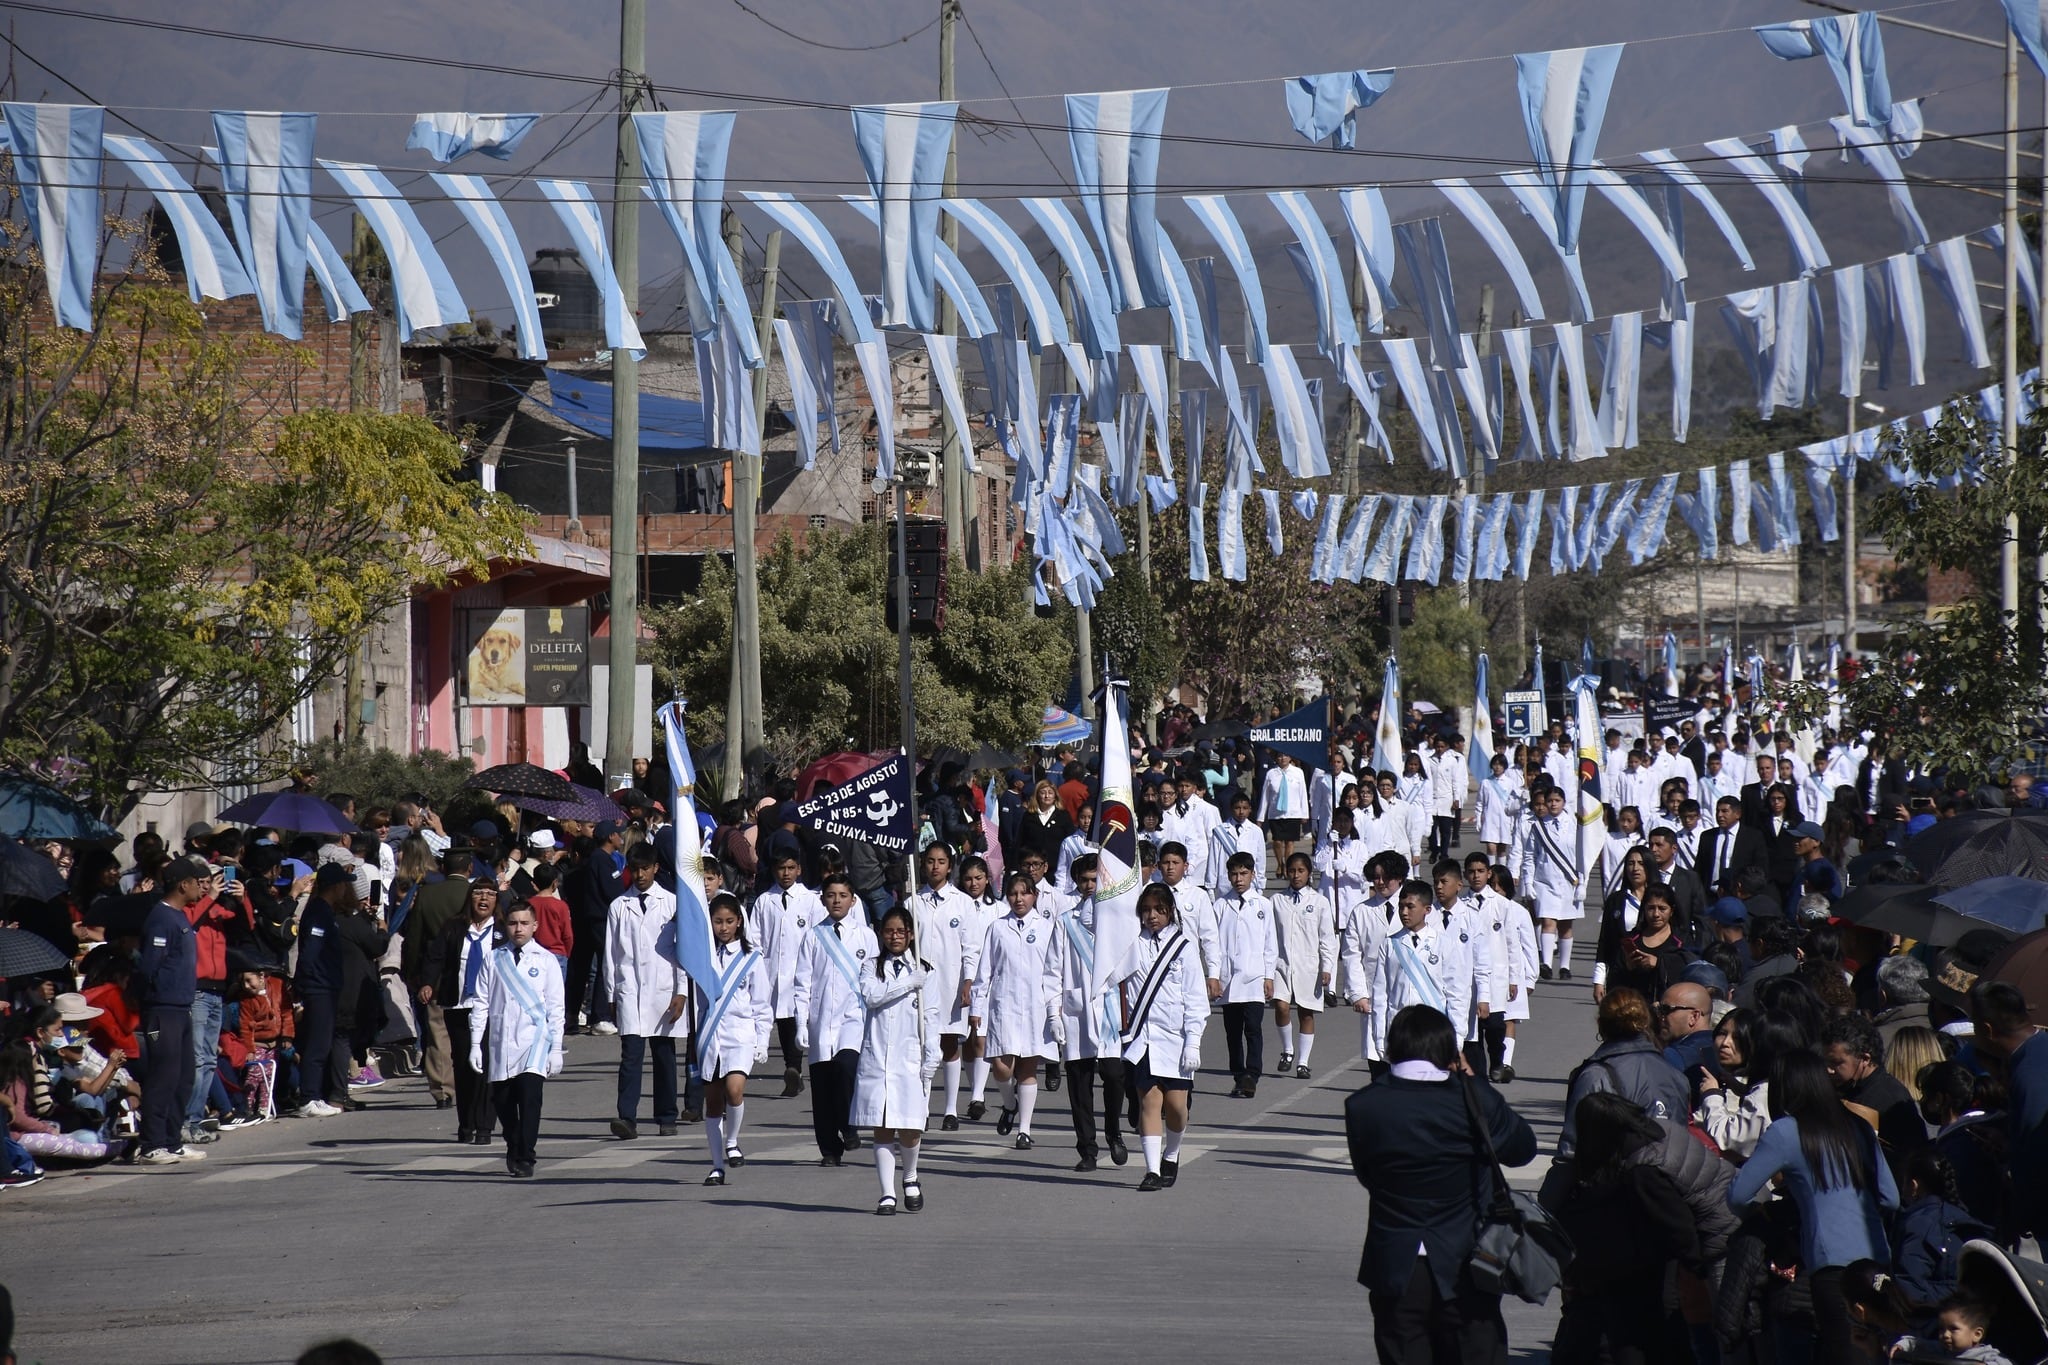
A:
(714, 1138)
(1308, 1045)
(953, 1086)
(735, 1114)
(1564, 951)
(1151, 1144)
(1027, 1100)
(1171, 1151)
(1288, 1036)
(909, 1150)
(885, 1167)
(1546, 948)
(981, 1069)
(1507, 1050)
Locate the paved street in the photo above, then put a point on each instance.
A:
(376, 1225)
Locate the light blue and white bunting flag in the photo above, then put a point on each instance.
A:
(903, 149)
(1564, 101)
(422, 290)
(578, 212)
(266, 168)
(447, 137)
(486, 217)
(1114, 137)
(212, 270)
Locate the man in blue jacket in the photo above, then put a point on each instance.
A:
(167, 979)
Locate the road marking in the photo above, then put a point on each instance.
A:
(242, 1174)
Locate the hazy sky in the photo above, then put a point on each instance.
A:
(1691, 72)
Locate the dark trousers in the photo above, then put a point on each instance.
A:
(1421, 1327)
(584, 956)
(633, 1050)
(832, 1100)
(323, 1051)
(1081, 1076)
(518, 1105)
(1475, 1056)
(1446, 834)
(472, 1087)
(785, 1037)
(1244, 1030)
(167, 1074)
(1834, 1341)
(1493, 1031)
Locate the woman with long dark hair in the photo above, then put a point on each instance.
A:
(1735, 1093)
(899, 1055)
(1838, 1181)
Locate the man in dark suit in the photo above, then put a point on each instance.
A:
(439, 904)
(1756, 803)
(1727, 848)
(1414, 1150)
(1688, 900)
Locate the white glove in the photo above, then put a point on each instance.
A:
(926, 1072)
(1056, 1025)
(555, 1065)
(1191, 1060)
(476, 1061)
(761, 1056)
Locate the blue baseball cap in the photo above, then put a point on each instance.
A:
(1728, 910)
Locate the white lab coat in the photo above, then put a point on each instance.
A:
(1169, 1037)
(1448, 779)
(1071, 847)
(899, 1047)
(1083, 1024)
(640, 966)
(781, 919)
(1250, 946)
(1009, 987)
(741, 1036)
(829, 1015)
(1554, 882)
(1191, 830)
(1469, 965)
(1362, 933)
(1340, 871)
(1325, 790)
(1306, 928)
(1229, 838)
(950, 928)
(1499, 802)
(522, 1026)
(1196, 912)
(1490, 911)
(1284, 794)
(1395, 989)
(1520, 932)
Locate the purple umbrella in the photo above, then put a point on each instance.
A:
(288, 810)
(585, 805)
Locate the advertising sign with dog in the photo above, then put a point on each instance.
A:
(528, 656)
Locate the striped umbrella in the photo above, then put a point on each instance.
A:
(1062, 727)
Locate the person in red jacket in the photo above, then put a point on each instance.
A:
(554, 932)
(107, 971)
(211, 914)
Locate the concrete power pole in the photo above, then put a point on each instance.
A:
(622, 718)
(746, 737)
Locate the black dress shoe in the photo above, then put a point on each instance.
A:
(950, 1124)
(1086, 1163)
(851, 1142)
(1169, 1171)
(1024, 1142)
(1118, 1152)
(1052, 1080)
(465, 1134)
(1544, 973)
(830, 1161)
(1005, 1121)
(715, 1178)
(512, 1167)
(668, 1130)
(350, 1105)
(887, 1208)
(913, 1197)
(792, 1083)
(525, 1171)
(1506, 1074)
(625, 1130)
(1564, 973)
(483, 1139)
(975, 1109)
(445, 1102)
(1150, 1183)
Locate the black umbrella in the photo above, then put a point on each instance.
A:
(523, 779)
(1906, 909)
(27, 873)
(121, 916)
(1990, 844)
(26, 954)
(1222, 729)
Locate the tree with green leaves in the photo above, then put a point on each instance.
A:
(184, 557)
(828, 657)
(1966, 687)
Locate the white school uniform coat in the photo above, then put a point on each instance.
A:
(1632, 787)
(1429, 966)
(519, 996)
(1071, 847)
(1284, 794)
(1325, 790)
(740, 1038)
(950, 928)
(1307, 934)
(1009, 987)
(1553, 881)
(640, 967)
(1520, 932)
(1448, 777)
(1230, 837)
(1249, 944)
(1468, 958)
(829, 1016)
(1196, 912)
(1612, 852)
(1560, 764)
(781, 919)
(1499, 801)
(1340, 870)
(1363, 933)
(1490, 911)
(1083, 1024)
(1191, 829)
(899, 1046)
(1169, 1036)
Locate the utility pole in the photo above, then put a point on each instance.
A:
(1354, 415)
(622, 718)
(2008, 417)
(1849, 468)
(905, 707)
(952, 460)
(744, 737)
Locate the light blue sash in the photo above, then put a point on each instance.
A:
(835, 949)
(1408, 954)
(1083, 940)
(728, 987)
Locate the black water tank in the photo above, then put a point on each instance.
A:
(577, 310)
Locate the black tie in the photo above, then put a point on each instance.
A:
(1180, 808)
(835, 930)
(899, 966)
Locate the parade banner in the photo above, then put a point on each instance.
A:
(1660, 713)
(1303, 734)
(873, 808)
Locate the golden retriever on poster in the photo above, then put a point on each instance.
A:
(497, 662)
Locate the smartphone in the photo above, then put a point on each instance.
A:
(228, 875)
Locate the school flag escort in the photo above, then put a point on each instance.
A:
(873, 808)
(1303, 735)
(693, 950)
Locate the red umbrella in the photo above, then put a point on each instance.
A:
(833, 769)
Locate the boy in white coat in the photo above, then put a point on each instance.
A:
(517, 1019)
(1362, 935)
(1468, 958)
(1249, 948)
(829, 1015)
(1084, 1025)
(782, 915)
(1512, 941)
(1412, 968)
(1193, 910)
(1239, 834)
(651, 991)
